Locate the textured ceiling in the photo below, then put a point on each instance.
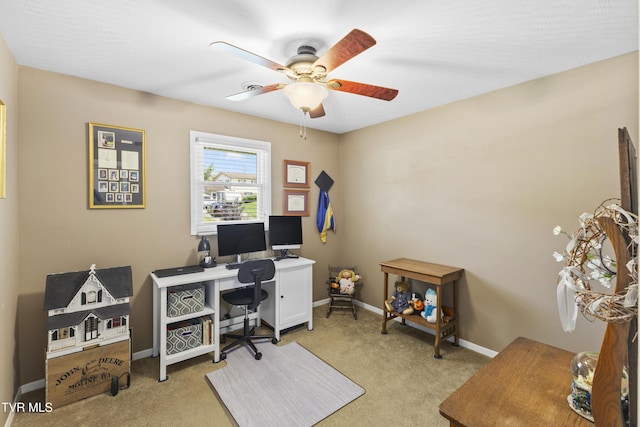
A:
(433, 52)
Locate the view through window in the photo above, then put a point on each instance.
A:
(230, 181)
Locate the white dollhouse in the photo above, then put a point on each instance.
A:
(87, 308)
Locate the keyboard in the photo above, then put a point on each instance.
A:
(233, 265)
(176, 271)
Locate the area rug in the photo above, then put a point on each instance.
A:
(289, 386)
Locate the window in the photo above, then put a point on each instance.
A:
(62, 333)
(230, 181)
(116, 322)
(91, 297)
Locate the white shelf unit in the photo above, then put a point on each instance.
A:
(163, 286)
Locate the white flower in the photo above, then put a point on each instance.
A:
(558, 256)
(593, 263)
(557, 230)
(605, 281)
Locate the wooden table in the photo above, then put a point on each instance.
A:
(526, 384)
(437, 275)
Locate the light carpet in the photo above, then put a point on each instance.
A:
(289, 386)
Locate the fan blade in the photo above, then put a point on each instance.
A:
(255, 92)
(363, 89)
(249, 56)
(354, 43)
(317, 112)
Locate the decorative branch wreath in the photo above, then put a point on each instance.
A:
(586, 266)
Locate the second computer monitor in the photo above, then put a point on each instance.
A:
(285, 232)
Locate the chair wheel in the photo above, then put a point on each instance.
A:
(274, 341)
(258, 356)
(223, 356)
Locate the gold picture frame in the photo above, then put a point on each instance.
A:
(116, 167)
(295, 202)
(3, 150)
(296, 174)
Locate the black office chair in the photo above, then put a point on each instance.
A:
(252, 271)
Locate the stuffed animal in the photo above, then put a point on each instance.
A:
(430, 306)
(345, 282)
(416, 302)
(400, 300)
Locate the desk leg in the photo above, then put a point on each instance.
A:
(156, 321)
(384, 308)
(216, 322)
(310, 321)
(163, 340)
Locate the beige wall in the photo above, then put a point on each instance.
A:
(9, 233)
(477, 184)
(480, 184)
(59, 233)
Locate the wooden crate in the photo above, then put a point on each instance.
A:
(86, 373)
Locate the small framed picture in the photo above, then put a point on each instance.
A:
(296, 202)
(296, 174)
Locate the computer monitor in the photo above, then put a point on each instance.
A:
(238, 239)
(285, 232)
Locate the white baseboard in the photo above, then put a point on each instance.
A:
(321, 302)
(35, 385)
(142, 354)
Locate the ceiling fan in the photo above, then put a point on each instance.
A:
(308, 73)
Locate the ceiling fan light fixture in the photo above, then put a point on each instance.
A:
(305, 96)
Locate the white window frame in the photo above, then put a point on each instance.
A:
(198, 141)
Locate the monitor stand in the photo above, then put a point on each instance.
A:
(284, 254)
(234, 265)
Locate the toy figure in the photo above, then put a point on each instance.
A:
(416, 302)
(345, 282)
(430, 306)
(400, 300)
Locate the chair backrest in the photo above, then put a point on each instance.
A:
(255, 271)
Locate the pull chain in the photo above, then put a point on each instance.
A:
(303, 125)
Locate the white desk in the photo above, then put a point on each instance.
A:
(289, 304)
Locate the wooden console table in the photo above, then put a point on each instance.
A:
(526, 384)
(436, 275)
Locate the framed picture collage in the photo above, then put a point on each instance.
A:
(117, 167)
